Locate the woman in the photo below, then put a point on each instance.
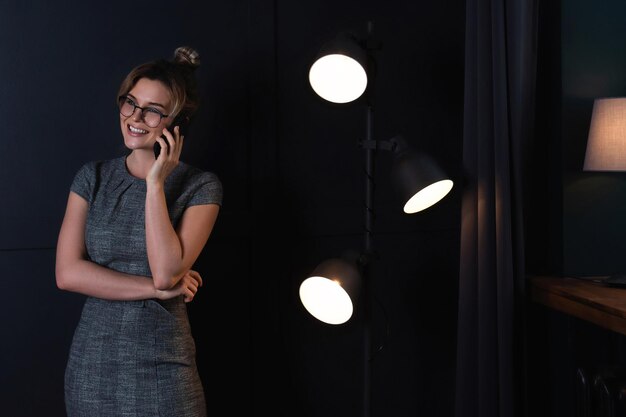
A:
(133, 228)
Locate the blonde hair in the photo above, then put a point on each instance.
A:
(177, 75)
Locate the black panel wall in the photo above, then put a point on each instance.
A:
(294, 181)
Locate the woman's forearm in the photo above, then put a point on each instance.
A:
(88, 278)
(165, 254)
(74, 272)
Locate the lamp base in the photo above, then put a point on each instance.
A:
(616, 280)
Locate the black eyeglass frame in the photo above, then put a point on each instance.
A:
(121, 100)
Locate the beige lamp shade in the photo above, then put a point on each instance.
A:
(606, 144)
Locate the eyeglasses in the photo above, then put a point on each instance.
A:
(151, 116)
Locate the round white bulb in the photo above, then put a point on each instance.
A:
(338, 78)
(326, 300)
(428, 196)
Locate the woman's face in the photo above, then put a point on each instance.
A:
(151, 95)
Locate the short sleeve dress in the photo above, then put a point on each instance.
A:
(133, 358)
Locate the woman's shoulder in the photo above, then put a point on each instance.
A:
(191, 173)
(94, 166)
(202, 184)
(89, 176)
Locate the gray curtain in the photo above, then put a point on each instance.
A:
(500, 60)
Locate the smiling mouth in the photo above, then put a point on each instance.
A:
(136, 130)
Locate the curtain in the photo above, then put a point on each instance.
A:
(500, 61)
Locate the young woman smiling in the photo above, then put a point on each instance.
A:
(133, 228)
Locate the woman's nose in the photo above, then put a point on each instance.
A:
(138, 114)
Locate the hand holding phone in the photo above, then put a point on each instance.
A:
(157, 147)
(177, 122)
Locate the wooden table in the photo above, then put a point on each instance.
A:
(585, 298)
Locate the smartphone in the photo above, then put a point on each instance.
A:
(179, 121)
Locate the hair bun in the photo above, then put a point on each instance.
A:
(186, 55)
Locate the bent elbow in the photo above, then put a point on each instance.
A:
(163, 283)
(61, 284)
(62, 280)
(162, 286)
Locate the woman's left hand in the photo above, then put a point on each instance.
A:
(169, 156)
(187, 286)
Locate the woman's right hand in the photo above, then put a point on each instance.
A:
(187, 286)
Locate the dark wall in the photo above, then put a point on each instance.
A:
(577, 225)
(293, 177)
(543, 195)
(593, 66)
(576, 220)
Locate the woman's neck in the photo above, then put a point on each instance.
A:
(139, 162)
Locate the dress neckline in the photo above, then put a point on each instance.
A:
(124, 168)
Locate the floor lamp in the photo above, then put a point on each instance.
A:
(341, 73)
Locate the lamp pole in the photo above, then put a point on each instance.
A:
(368, 254)
(369, 145)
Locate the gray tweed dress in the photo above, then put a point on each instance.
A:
(133, 358)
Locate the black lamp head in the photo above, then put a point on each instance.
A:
(332, 289)
(339, 72)
(419, 179)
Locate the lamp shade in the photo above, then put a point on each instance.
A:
(419, 179)
(606, 144)
(338, 73)
(331, 291)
